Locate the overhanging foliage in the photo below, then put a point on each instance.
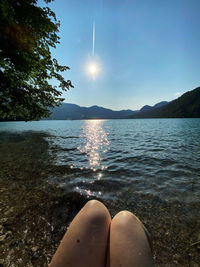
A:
(27, 32)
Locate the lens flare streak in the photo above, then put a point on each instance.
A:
(93, 38)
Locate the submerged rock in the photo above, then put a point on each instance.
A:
(2, 238)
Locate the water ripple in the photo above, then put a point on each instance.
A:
(110, 158)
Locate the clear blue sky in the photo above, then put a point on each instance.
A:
(147, 51)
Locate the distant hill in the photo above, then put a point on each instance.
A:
(186, 106)
(147, 107)
(69, 111)
(75, 112)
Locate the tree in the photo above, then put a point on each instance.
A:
(27, 32)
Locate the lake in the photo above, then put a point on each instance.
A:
(49, 170)
(107, 158)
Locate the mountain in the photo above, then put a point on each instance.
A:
(186, 106)
(160, 104)
(147, 107)
(75, 112)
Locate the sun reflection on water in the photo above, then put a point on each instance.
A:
(96, 143)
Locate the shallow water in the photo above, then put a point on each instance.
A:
(115, 158)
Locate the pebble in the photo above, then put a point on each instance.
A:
(10, 211)
(8, 233)
(176, 257)
(2, 238)
(1, 229)
(34, 249)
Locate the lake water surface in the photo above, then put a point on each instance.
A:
(112, 158)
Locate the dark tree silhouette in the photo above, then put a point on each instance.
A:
(27, 32)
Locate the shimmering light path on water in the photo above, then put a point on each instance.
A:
(110, 158)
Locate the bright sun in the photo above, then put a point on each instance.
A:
(92, 69)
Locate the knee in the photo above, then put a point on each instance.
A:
(97, 213)
(124, 218)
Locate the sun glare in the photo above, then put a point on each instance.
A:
(92, 69)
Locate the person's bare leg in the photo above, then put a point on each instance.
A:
(85, 242)
(129, 245)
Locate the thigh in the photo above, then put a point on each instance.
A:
(129, 245)
(85, 242)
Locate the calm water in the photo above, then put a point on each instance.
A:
(109, 158)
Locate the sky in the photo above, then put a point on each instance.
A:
(144, 51)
